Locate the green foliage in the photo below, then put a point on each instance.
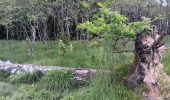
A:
(64, 38)
(104, 87)
(4, 75)
(141, 26)
(33, 92)
(65, 47)
(8, 8)
(58, 80)
(111, 25)
(6, 89)
(26, 11)
(64, 44)
(94, 43)
(107, 23)
(85, 5)
(109, 88)
(25, 78)
(96, 57)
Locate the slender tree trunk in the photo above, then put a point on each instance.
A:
(62, 16)
(33, 36)
(39, 33)
(7, 32)
(68, 29)
(76, 19)
(55, 36)
(77, 34)
(45, 36)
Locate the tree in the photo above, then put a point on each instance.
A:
(148, 47)
(112, 26)
(7, 10)
(28, 14)
(148, 69)
(25, 17)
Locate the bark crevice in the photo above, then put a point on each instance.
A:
(147, 65)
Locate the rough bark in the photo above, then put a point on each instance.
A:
(148, 69)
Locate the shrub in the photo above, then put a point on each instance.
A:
(26, 78)
(58, 80)
(65, 47)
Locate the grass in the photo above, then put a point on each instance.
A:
(6, 90)
(166, 56)
(25, 78)
(58, 85)
(49, 86)
(58, 80)
(104, 87)
(4, 75)
(33, 92)
(82, 56)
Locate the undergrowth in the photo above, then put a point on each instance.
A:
(58, 85)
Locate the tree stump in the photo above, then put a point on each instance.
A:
(147, 66)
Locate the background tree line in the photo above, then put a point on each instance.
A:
(52, 19)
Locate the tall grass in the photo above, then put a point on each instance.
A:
(82, 55)
(103, 87)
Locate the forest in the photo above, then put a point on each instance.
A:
(84, 49)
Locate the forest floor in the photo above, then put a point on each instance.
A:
(47, 87)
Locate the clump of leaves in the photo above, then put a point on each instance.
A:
(58, 80)
(141, 26)
(26, 78)
(64, 37)
(64, 47)
(107, 23)
(112, 26)
(94, 43)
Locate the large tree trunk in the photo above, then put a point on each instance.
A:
(147, 66)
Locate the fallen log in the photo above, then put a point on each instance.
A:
(80, 74)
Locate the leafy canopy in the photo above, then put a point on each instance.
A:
(22, 10)
(111, 24)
